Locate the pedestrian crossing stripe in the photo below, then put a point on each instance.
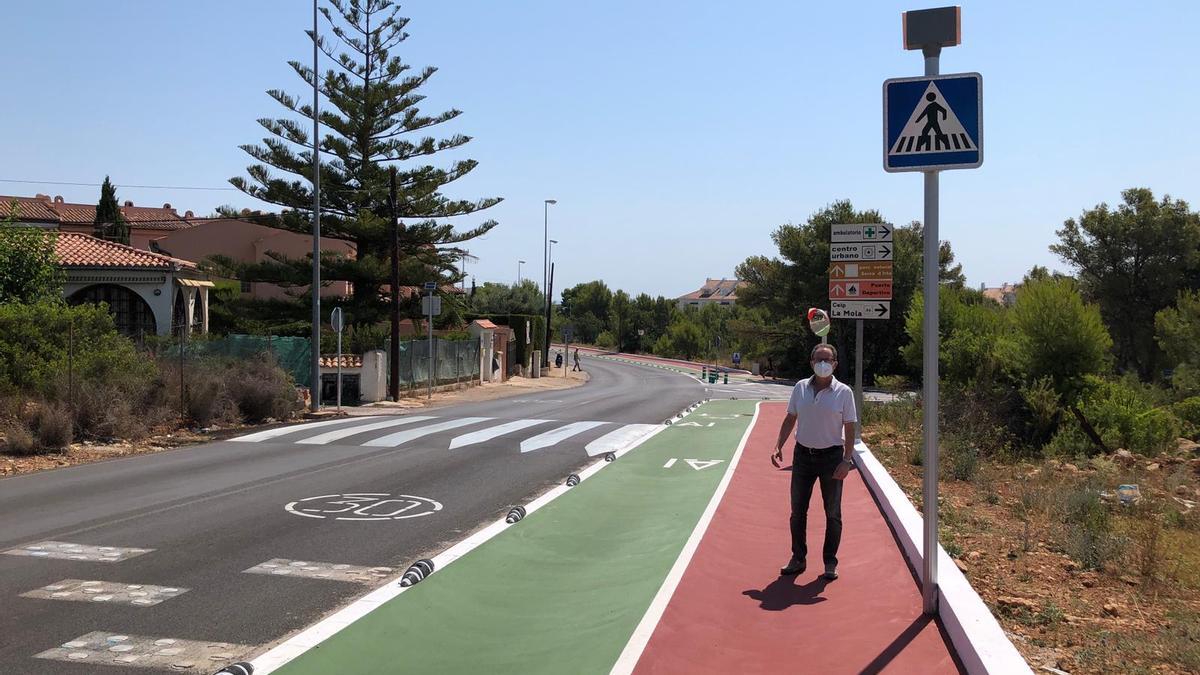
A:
(932, 127)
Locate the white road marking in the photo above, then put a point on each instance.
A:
(113, 649)
(618, 438)
(314, 635)
(282, 567)
(402, 437)
(492, 432)
(63, 550)
(557, 435)
(364, 506)
(645, 628)
(280, 431)
(338, 434)
(670, 463)
(139, 595)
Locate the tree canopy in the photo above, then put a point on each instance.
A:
(29, 269)
(371, 120)
(1133, 260)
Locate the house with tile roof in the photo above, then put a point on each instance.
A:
(145, 222)
(1005, 295)
(713, 292)
(147, 293)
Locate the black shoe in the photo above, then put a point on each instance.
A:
(830, 573)
(793, 567)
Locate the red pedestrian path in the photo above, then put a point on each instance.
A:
(733, 613)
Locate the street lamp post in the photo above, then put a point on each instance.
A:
(519, 263)
(546, 269)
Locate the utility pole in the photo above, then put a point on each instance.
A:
(315, 386)
(394, 236)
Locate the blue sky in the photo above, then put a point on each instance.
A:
(676, 135)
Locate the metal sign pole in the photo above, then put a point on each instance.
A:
(929, 420)
(339, 371)
(858, 376)
(430, 351)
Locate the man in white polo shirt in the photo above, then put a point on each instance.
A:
(823, 410)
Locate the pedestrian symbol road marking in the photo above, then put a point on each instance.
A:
(932, 127)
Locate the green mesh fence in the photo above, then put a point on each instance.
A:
(293, 354)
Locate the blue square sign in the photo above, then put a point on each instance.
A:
(933, 123)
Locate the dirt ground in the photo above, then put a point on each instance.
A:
(85, 453)
(1138, 613)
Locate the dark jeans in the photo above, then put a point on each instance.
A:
(806, 470)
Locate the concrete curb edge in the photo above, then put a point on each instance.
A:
(977, 637)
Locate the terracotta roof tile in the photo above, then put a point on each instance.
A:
(75, 249)
(348, 361)
(716, 289)
(29, 209)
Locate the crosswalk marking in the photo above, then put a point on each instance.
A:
(321, 570)
(111, 592)
(557, 435)
(338, 434)
(272, 433)
(401, 437)
(492, 432)
(65, 550)
(618, 438)
(114, 649)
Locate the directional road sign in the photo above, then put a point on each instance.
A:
(431, 305)
(854, 289)
(846, 233)
(933, 123)
(860, 251)
(860, 309)
(430, 285)
(860, 270)
(335, 319)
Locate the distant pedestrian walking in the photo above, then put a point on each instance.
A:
(576, 361)
(558, 360)
(823, 410)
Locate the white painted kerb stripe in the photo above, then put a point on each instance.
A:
(272, 433)
(338, 434)
(641, 635)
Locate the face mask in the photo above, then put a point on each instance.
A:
(823, 368)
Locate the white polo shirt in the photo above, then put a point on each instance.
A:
(819, 418)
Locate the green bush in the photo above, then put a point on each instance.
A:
(1123, 413)
(1187, 412)
(606, 340)
(893, 384)
(1087, 526)
(40, 343)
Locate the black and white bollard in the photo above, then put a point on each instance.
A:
(416, 572)
(610, 456)
(514, 514)
(241, 668)
(572, 480)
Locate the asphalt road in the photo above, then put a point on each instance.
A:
(213, 511)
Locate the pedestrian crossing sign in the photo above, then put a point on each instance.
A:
(933, 123)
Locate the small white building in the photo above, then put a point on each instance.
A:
(147, 293)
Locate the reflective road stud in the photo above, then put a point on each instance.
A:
(418, 571)
(515, 514)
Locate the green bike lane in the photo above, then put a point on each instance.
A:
(564, 589)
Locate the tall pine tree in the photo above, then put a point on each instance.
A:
(109, 223)
(370, 120)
